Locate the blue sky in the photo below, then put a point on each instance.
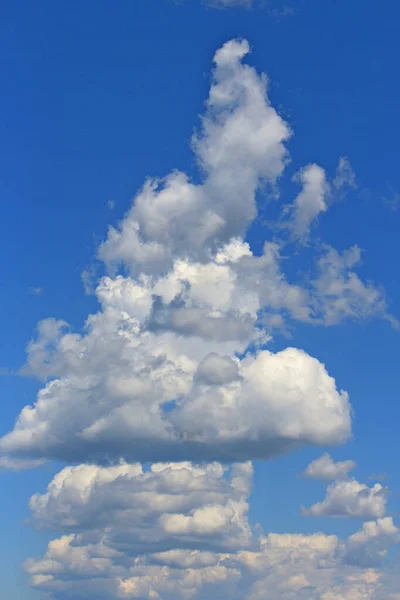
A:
(96, 98)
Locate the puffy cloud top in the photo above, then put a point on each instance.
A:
(241, 144)
(121, 396)
(174, 366)
(351, 499)
(170, 505)
(327, 469)
(174, 369)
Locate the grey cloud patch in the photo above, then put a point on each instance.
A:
(36, 291)
(391, 199)
(197, 322)
(217, 370)
(230, 3)
(345, 176)
(274, 8)
(379, 476)
(340, 293)
(15, 464)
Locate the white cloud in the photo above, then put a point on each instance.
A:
(240, 145)
(313, 567)
(18, 464)
(345, 176)
(327, 469)
(311, 202)
(169, 506)
(349, 498)
(357, 586)
(36, 291)
(318, 192)
(155, 375)
(113, 387)
(338, 291)
(230, 3)
(180, 531)
(273, 8)
(370, 545)
(175, 366)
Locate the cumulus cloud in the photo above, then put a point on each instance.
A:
(180, 531)
(120, 393)
(370, 545)
(325, 468)
(174, 365)
(174, 369)
(239, 146)
(313, 567)
(311, 201)
(176, 505)
(351, 499)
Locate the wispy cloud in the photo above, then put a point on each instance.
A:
(36, 291)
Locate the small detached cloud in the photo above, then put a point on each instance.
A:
(351, 499)
(311, 202)
(391, 199)
(324, 468)
(274, 8)
(89, 279)
(15, 464)
(379, 476)
(36, 291)
(345, 176)
(230, 3)
(317, 194)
